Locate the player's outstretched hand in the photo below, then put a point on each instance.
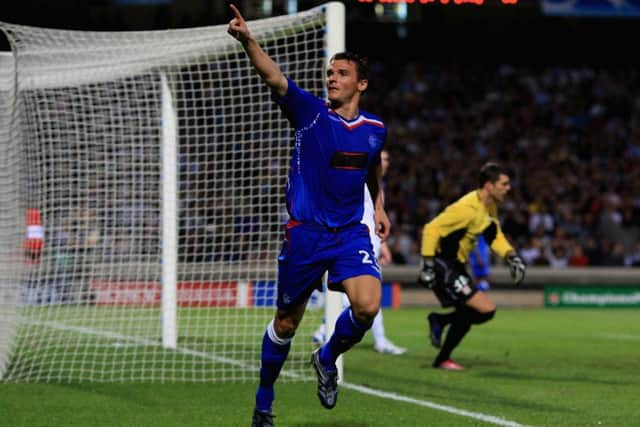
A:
(427, 276)
(516, 267)
(237, 26)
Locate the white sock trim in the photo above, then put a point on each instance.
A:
(271, 332)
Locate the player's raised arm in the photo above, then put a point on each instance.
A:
(266, 67)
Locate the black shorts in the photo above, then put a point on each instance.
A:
(453, 284)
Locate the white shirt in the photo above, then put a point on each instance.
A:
(367, 219)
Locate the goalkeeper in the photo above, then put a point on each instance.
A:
(446, 242)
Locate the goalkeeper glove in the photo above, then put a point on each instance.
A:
(516, 267)
(427, 276)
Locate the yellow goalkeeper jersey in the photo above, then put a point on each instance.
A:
(452, 234)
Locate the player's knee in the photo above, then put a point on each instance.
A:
(365, 313)
(285, 327)
(478, 318)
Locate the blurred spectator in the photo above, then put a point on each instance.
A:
(615, 258)
(557, 256)
(541, 219)
(593, 251)
(578, 258)
(533, 252)
(633, 258)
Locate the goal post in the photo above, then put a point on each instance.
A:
(335, 44)
(157, 162)
(11, 219)
(169, 215)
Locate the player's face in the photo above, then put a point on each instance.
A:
(500, 188)
(342, 81)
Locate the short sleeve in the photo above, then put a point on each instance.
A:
(299, 106)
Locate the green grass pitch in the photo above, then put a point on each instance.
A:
(555, 367)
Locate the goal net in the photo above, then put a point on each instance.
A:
(142, 205)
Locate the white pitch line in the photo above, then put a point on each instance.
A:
(139, 341)
(621, 337)
(355, 387)
(450, 409)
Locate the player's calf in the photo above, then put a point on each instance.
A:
(435, 330)
(478, 318)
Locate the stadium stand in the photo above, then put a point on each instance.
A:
(571, 136)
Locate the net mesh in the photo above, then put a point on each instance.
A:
(84, 111)
(10, 215)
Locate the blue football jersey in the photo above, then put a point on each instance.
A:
(331, 159)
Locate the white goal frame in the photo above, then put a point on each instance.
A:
(27, 66)
(335, 43)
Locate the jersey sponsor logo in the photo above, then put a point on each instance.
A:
(349, 160)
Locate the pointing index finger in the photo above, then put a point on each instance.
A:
(236, 12)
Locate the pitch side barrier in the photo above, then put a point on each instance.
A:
(137, 284)
(579, 287)
(405, 275)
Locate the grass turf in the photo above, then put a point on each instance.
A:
(557, 367)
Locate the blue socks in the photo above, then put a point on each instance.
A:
(348, 333)
(275, 350)
(274, 354)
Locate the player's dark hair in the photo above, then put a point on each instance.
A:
(362, 63)
(491, 172)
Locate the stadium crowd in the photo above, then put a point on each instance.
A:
(569, 135)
